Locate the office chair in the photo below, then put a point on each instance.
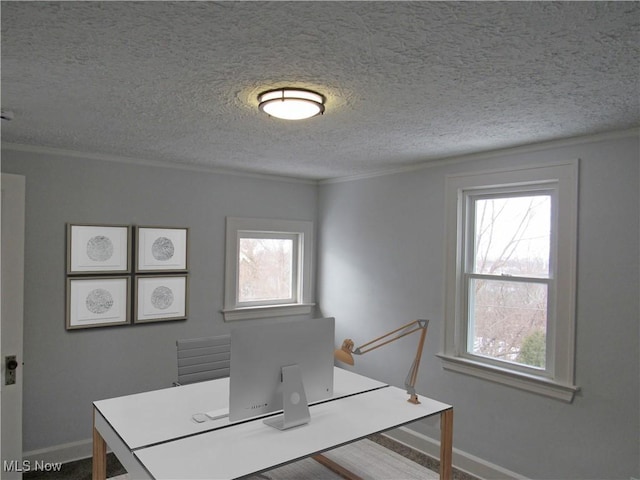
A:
(201, 359)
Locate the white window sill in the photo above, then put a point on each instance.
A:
(523, 381)
(263, 311)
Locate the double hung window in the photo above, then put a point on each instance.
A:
(510, 288)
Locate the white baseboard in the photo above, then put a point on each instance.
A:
(67, 452)
(462, 461)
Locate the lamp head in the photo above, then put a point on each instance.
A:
(344, 354)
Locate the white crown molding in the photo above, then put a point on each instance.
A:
(533, 147)
(436, 162)
(19, 147)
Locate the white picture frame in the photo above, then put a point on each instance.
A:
(98, 249)
(161, 298)
(161, 249)
(97, 302)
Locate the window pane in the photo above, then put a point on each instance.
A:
(508, 321)
(265, 270)
(512, 235)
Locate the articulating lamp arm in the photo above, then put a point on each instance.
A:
(345, 353)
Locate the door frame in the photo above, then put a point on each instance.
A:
(12, 202)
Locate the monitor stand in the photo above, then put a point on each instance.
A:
(294, 401)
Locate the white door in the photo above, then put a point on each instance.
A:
(12, 263)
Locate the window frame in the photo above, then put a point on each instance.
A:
(561, 179)
(301, 302)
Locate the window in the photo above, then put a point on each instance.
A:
(510, 286)
(268, 268)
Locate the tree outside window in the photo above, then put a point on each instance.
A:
(268, 268)
(511, 242)
(265, 269)
(508, 298)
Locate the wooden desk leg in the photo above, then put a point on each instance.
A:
(99, 453)
(446, 444)
(336, 467)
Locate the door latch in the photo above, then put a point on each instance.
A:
(10, 367)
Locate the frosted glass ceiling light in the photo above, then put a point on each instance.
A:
(291, 103)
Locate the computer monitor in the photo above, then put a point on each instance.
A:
(281, 365)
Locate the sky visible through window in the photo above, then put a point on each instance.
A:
(508, 319)
(513, 234)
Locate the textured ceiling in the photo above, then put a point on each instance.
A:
(406, 82)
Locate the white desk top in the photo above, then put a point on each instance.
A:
(162, 415)
(253, 446)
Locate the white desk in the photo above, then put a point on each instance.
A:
(153, 436)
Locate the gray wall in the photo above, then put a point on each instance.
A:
(66, 370)
(382, 264)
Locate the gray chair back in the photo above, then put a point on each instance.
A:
(205, 358)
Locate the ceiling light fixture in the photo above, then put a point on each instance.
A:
(291, 103)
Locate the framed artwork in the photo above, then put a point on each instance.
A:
(161, 249)
(98, 249)
(161, 298)
(98, 302)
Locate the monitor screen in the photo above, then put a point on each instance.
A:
(260, 354)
